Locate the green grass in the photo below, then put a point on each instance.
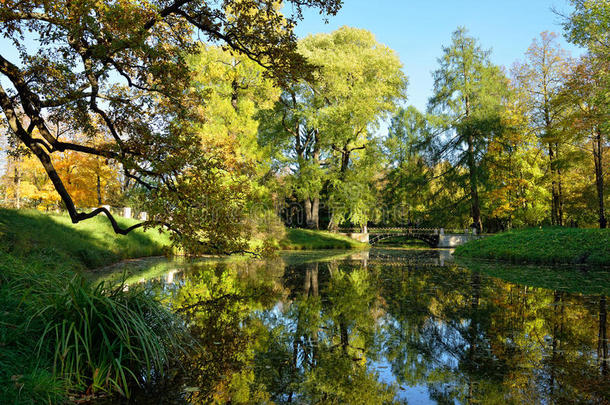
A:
(55, 241)
(543, 246)
(305, 239)
(62, 334)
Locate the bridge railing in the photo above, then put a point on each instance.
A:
(413, 230)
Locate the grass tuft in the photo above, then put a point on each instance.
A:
(61, 334)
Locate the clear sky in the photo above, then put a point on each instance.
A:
(417, 29)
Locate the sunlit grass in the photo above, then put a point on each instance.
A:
(54, 240)
(305, 239)
(543, 246)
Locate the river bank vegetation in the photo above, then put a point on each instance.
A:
(63, 335)
(543, 246)
(213, 122)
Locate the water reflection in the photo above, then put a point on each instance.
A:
(385, 327)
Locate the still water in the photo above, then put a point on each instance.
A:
(385, 326)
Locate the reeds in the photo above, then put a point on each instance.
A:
(106, 338)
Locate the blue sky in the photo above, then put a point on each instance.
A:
(417, 29)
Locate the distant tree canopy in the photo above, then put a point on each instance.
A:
(118, 70)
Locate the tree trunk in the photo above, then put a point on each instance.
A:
(333, 226)
(554, 192)
(559, 191)
(312, 209)
(599, 176)
(17, 181)
(99, 190)
(315, 204)
(315, 213)
(475, 208)
(307, 209)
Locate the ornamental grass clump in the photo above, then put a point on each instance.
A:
(104, 338)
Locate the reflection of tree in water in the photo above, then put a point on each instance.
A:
(478, 339)
(327, 335)
(313, 333)
(218, 302)
(436, 333)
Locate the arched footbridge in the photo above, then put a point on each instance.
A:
(434, 237)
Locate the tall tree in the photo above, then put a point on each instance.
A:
(119, 68)
(540, 79)
(327, 121)
(358, 83)
(468, 93)
(408, 177)
(518, 194)
(586, 92)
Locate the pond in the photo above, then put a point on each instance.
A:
(384, 326)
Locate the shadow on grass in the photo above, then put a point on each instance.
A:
(54, 241)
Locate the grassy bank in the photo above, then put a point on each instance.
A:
(305, 239)
(54, 241)
(61, 335)
(543, 246)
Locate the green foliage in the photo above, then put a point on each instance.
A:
(589, 24)
(543, 245)
(322, 129)
(408, 189)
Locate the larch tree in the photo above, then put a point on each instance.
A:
(119, 68)
(467, 101)
(540, 79)
(586, 92)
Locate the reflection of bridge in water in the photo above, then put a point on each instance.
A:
(402, 257)
(434, 237)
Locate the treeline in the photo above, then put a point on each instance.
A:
(496, 147)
